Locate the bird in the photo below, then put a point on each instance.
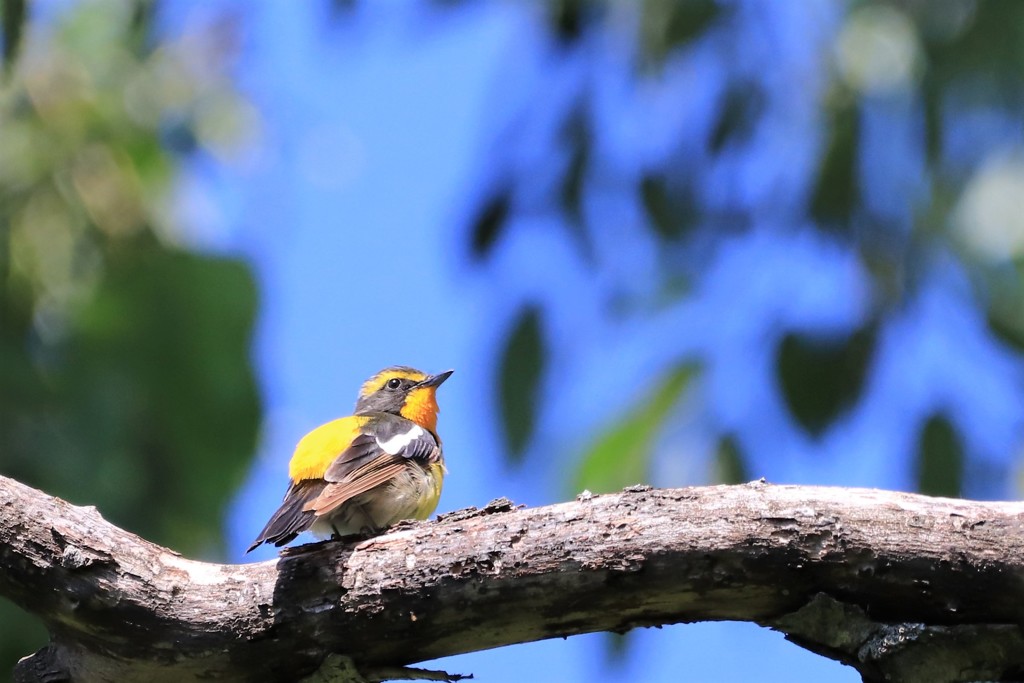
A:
(362, 473)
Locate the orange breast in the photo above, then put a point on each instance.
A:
(421, 407)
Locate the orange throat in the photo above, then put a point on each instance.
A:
(421, 407)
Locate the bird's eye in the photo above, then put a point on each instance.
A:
(394, 383)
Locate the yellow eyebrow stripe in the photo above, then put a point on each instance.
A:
(377, 382)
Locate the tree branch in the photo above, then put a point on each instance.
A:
(879, 580)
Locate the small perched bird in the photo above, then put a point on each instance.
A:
(362, 473)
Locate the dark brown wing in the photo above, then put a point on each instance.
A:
(291, 519)
(363, 450)
(372, 475)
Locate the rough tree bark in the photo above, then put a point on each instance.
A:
(903, 587)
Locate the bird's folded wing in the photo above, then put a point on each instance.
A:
(362, 451)
(371, 459)
(370, 476)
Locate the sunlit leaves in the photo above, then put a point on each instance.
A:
(129, 360)
(940, 459)
(821, 378)
(521, 367)
(621, 454)
(877, 51)
(124, 363)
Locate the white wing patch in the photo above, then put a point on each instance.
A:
(395, 444)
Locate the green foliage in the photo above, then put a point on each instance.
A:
(12, 19)
(160, 378)
(969, 54)
(621, 454)
(988, 55)
(488, 225)
(730, 465)
(741, 108)
(991, 43)
(522, 368)
(568, 18)
(672, 210)
(124, 367)
(837, 188)
(821, 378)
(940, 459)
(578, 137)
(963, 61)
(148, 408)
(1006, 311)
(667, 25)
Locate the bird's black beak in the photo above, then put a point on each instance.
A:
(436, 380)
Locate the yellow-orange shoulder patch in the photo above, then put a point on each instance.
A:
(318, 449)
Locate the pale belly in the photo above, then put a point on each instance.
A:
(411, 495)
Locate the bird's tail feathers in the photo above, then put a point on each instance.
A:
(290, 520)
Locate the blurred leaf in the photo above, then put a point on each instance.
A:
(821, 378)
(667, 25)
(569, 18)
(579, 137)
(143, 12)
(837, 189)
(940, 459)
(179, 137)
(741, 107)
(616, 647)
(989, 44)
(162, 373)
(672, 211)
(342, 8)
(1010, 331)
(931, 97)
(124, 364)
(522, 366)
(1005, 294)
(576, 173)
(489, 223)
(13, 17)
(730, 465)
(621, 454)
(26, 636)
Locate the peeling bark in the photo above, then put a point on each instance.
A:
(901, 586)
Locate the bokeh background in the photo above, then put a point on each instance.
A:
(667, 242)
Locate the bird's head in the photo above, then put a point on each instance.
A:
(403, 391)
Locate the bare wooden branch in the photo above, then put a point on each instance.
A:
(876, 579)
